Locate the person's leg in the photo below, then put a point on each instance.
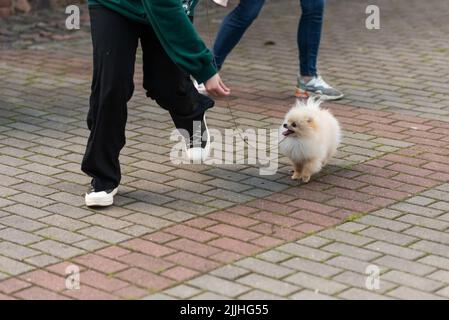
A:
(234, 26)
(171, 87)
(115, 40)
(309, 36)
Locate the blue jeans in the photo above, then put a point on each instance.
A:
(309, 32)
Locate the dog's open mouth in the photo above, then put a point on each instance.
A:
(288, 132)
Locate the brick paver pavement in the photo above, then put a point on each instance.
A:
(224, 231)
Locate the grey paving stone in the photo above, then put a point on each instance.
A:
(310, 295)
(21, 223)
(358, 294)
(348, 263)
(315, 283)
(440, 275)
(315, 268)
(16, 251)
(259, 295)
(395, 250)
(106, 222)
(351, 251)
(436, 261)
(57, 249)
(158, 296)
(388, 236)
(60, 235)
(12, 266)
(416, 268)
(424, 222)
(358, 280)
(429, 234)
(418, 210)
(274, 256)
(314, 241)
(268, 284)
(230, 272)
(351, 227)
(68, 211)
(387, 213)
(264, 268)
(444, 292)
(104, 234)
(412, 294)
(182, 291)
(148, 221)
(17, 236)
(210, 296)
(305, 252)
(345, 237)
(409, 280)
(33, 202)
(383, 223)
(64, 222)
(42, 260)
(432, 247)
(218, 285)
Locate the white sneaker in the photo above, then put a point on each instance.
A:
(101, 198)
(200, 88)
(222, 3)
(198, 152)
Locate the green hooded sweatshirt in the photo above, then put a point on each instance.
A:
(171, 23)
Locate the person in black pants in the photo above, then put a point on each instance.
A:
(115, 40)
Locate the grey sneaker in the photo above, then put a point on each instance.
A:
(317, 87)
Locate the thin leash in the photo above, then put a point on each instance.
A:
(228, 105)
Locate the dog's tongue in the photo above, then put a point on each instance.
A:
(287, 132)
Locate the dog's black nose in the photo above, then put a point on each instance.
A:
(285, 125)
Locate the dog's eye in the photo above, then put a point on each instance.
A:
(294, 124)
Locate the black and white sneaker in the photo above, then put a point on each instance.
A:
(100, 198)
(198, 145)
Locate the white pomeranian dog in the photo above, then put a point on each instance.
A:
(309, 137)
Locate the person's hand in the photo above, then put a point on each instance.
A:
(216, 87)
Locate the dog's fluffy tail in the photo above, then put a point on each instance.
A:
(312, 102)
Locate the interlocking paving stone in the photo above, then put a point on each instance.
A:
(218, 285)
(412, 294)
(268, 284)
(413, 281)
(104, 234)
(57, 249)
(264, 268)
(392, 167)
(16, 251)
(17, 236)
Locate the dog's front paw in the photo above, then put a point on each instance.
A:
(296, 175)
(305, 178)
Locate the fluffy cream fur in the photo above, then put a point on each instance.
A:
(309, 137)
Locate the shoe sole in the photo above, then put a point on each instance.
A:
(299, 93)
(103, 202)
